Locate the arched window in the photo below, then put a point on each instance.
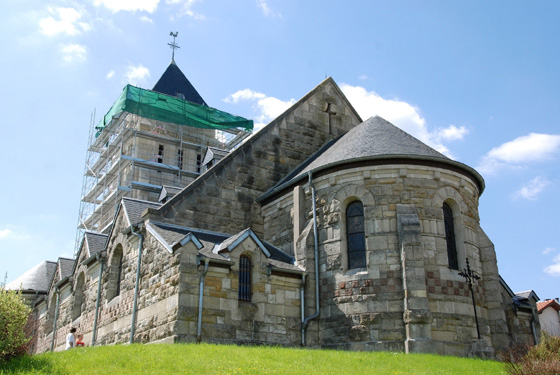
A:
(244, 278)
(115, 273)
(450, 237)
(78, 297)
(355, 235)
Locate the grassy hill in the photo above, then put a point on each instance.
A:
(225, 359)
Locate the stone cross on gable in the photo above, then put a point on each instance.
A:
(173, 45)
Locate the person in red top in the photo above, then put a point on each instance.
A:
(80, 341)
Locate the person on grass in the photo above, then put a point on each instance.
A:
(80, 341)
(71, 339)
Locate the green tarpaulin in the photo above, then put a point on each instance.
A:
(161, 107)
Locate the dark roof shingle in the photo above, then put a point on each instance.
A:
(37, 278)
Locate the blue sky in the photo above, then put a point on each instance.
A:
(477, 80)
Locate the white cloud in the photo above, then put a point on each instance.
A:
(548, 250)
(136, 74)
(4, 233)
(265, 9)
(267, 108)
(115, 6)
(533, 188)
(452, 133)
(110, 74)
(521, 151)
(401, 114)
(68, 22)
(74, 53)
(554, 268)
(146, 19)
(186, 10)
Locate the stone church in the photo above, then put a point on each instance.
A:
(322, 230)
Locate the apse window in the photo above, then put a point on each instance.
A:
(450, 237)
(355, 235)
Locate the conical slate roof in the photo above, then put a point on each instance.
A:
(38, 278)
(174, 83)
(374, 140)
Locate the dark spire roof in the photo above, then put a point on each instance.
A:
(173, 82)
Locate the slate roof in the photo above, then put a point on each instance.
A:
(213, 242)
(96, 242)
(173, 81)
(168, 192)
(548, 303)
(66, 267)
(134, 207)
(37, 278)
(375, 138)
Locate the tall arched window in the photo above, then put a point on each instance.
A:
(115, 273)
(450, 237)
(355, 235)
(78, 297)
(244, 278)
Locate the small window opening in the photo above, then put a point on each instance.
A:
(450, 237)
(244, 278)
(180, 158)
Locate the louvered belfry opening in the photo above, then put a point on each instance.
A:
(244, 278)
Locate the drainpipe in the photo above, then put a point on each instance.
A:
(57, 291)
(94, 333)
(302, 299)
(305, 322)
(200, 297)
(533, 329)
(135, 305)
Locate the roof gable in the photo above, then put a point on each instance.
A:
(541, 306)
(375, 138)
(174, 83)
(328, 85)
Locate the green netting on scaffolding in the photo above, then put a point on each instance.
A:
(162, 107)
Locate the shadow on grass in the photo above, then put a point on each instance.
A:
(30, 365)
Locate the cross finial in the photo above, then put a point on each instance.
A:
(173, 45)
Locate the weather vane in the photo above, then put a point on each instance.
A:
(173, 45)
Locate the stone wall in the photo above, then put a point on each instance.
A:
(362, 309)
(272, 316)
(223, 199)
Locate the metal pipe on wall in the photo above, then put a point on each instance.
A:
(94, 332)
(135, 305)
(200, 299)
(305, 322)
(57, 291)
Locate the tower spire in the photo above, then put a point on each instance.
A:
(173, 45)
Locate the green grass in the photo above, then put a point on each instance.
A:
(226, 359)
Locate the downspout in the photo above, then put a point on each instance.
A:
(302, 298)
(135, 305)
(533, 329)
(200, 297)
(316, 245)
(94, 333)
(57, 291)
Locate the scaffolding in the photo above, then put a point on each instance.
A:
(134, 156)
